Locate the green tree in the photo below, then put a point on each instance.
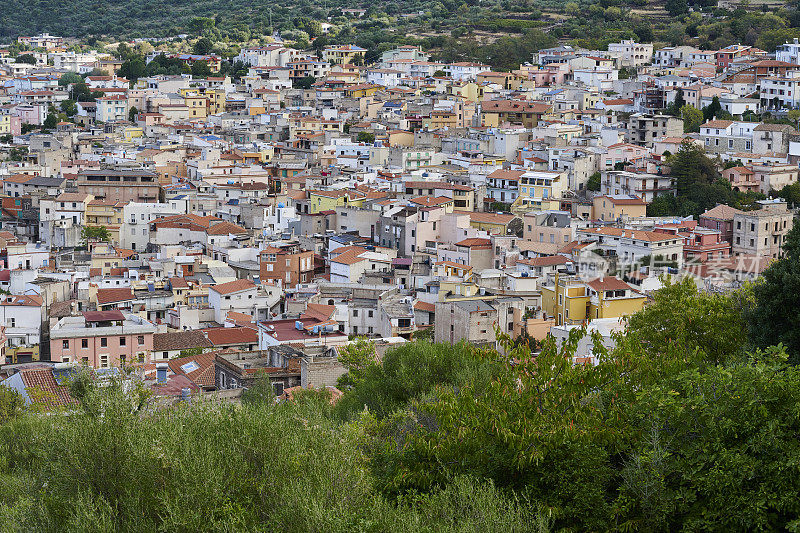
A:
(200, 69)
(51, 119)
(203, 46)
(26, 58)
(306, 82)
(773, 315)
(133, 69)
(68, 107)
(12, 405)
(358, 358)
(692, 118)
(680, 315)
(69, 78)
(713, 109)
(95, 233)
(593, 184)
(365, 137)
(132, 112)
(260, 392)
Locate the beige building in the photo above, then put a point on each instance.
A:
(762, 232)
(613, 207)
(774, 177)
(644, 130)
(554, 227)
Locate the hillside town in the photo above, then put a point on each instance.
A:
(208, 230)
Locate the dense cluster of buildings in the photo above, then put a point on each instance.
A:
(226, 230)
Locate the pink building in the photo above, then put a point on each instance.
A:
(553, 74)
(102, 339)
(719, 218)
(31, 113)
(699, 244)
(741, 179)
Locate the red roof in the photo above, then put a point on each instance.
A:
(203, 376)
(42, 388)
(609, 284)
(228, 336)
(233, 286)
(107, 296)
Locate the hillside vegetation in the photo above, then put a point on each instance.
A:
(501, 33)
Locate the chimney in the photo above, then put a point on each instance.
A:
(161, 373)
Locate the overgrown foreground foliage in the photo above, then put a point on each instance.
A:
(682, 427)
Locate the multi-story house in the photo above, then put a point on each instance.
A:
(611, 208)
(719, 218)
(769, 138)
(779, 92)
(631, 54)
(645, 186)
(287, 264)
(630, 246)
(112, 108)
(136, 219)
(240, 296)
(719, 136)
(646, 129)
(22, 316)
(774, 176)
(102, 339)
(762, 232)
(120, 185)
(572, 300)
(343, 54)
(555, 227)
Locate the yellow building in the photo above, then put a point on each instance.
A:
(361, 90)
(539, 190)
(216, 101)
(493, 223)
(5, 124)
(609, 208)
(108, 214)
(133, 132)
(344, 54)
(571, 300)
(329, 200)
(469, 91)
(22, 354)
(197, 103)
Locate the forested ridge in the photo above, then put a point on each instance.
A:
(502, 33)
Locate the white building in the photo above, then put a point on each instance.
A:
(136, 222)
(601, 78)
(22, 316)
(112, 108)
(642, 185)
(781, 91)
(465, 71)
(241, 296)
(631, 53)
(631, 246)
(789, 52)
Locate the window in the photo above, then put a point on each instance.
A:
(84, 343)
(65, 344)
(355, 312)
(103, 361)
(103, 342)
(369, 313)
(122, 341)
